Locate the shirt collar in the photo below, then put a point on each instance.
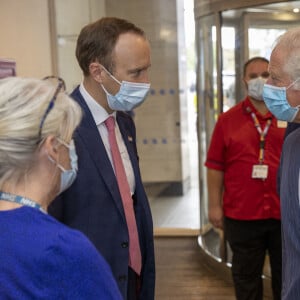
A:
(249, 107)
(98, 112)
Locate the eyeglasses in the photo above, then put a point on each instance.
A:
(61, 87)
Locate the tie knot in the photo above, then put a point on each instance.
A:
(110, 123)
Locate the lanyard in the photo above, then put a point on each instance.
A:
(262, 135)
(21, 200)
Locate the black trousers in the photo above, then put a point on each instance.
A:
(249, 242)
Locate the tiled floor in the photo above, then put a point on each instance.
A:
(177, 212)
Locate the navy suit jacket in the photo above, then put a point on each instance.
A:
(93, 203)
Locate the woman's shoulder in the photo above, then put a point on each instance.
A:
(63, 263)
(67, 241)
(76, 265)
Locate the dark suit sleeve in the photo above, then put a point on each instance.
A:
(290, 128)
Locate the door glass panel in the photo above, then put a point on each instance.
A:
(261, 40)
(228, 72)
(206, 98)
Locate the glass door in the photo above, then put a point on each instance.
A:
(209, 104)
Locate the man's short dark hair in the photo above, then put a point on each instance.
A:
(249, 61)
(97, 41)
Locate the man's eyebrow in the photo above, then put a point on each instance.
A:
(138, 69)
(252, 74)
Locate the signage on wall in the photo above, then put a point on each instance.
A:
(7, 68)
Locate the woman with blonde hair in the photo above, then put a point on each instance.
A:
(40, 257)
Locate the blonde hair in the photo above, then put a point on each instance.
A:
(23, 103)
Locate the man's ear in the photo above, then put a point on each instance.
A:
(245, 84)
(96, 71)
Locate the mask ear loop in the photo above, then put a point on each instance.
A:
(293, 83)
(56, 163)
(298, 106)
(110, 75)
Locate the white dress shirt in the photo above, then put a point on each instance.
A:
(100, 115)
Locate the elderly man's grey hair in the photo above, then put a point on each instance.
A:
(289, 42)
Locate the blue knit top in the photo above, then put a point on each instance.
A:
(41, 258)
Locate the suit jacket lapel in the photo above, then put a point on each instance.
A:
(129, 141)
(89, 135)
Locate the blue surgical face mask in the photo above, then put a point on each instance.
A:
(67, 176)
(276, 101)
(130, 95)
(255, 88)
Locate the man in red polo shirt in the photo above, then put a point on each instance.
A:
(242, 163)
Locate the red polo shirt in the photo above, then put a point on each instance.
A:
(234, 149)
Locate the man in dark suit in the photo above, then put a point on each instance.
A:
(114, 56)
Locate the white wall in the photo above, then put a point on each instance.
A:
(71, 16)
(24, 36)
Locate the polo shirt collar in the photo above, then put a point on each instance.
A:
(248, 104)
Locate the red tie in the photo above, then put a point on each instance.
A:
(135, 260)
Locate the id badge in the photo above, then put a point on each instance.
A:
(281, 124)
(260, 171)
